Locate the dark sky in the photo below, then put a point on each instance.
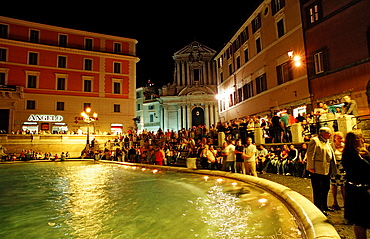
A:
(161, 29)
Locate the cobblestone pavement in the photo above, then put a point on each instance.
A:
(303, 186)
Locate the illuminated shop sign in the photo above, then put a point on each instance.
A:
(45, 118)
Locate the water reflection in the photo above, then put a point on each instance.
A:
(86, 206)
(84, 200)
(222, 212)
(237, 212)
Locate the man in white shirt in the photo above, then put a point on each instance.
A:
(321, 163)
(249, 154)
(230, 159)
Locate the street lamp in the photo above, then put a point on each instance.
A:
(296, 58)
(88, 119)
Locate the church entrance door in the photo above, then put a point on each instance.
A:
(197, 116)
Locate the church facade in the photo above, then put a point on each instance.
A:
(190, 100)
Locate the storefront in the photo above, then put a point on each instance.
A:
(116, 128)
(59, 128)
(37, 123)
(30, 127)
(300, 110)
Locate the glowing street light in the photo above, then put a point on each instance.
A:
(296, 58)
(88, 119)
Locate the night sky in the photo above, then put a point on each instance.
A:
(161, 29)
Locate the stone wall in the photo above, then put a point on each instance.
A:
(55, 144)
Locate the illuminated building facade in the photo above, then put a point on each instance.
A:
(255, 74)
(190, 99)
(49, 75)
(337, 36)
(148, 108)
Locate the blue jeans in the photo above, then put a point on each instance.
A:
(230, 166)
(281, 166)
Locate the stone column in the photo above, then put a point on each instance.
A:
(204, 73)
(189, 117)
(165, 118)
(184, 114)
(206, 115)
(258, 136)
(297, 130)
(346, 123)
(179, 119)
(183, 73)
(217, 116)
(221, 139)
(209, 73)
(212, 115)
(187, 69)
(214, 73)
(178, 72)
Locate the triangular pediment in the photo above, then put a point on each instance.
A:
(195, 46)
(196, 90)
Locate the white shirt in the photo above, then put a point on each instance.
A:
(248, 150)
(230, 150)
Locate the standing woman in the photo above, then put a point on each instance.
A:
(338, 180)
(356, 163)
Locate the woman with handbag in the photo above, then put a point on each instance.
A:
(356, 163)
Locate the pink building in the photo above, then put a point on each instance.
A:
(58, 72)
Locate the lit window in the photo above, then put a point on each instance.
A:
(319, 62)
(313, 13)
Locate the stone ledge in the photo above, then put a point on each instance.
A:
(314, 223)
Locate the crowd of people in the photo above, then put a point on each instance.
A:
(328, 160)
(345, 164)
(28, 155)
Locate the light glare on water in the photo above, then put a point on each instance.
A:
(86, 200)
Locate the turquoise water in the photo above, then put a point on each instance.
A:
(87, 200)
